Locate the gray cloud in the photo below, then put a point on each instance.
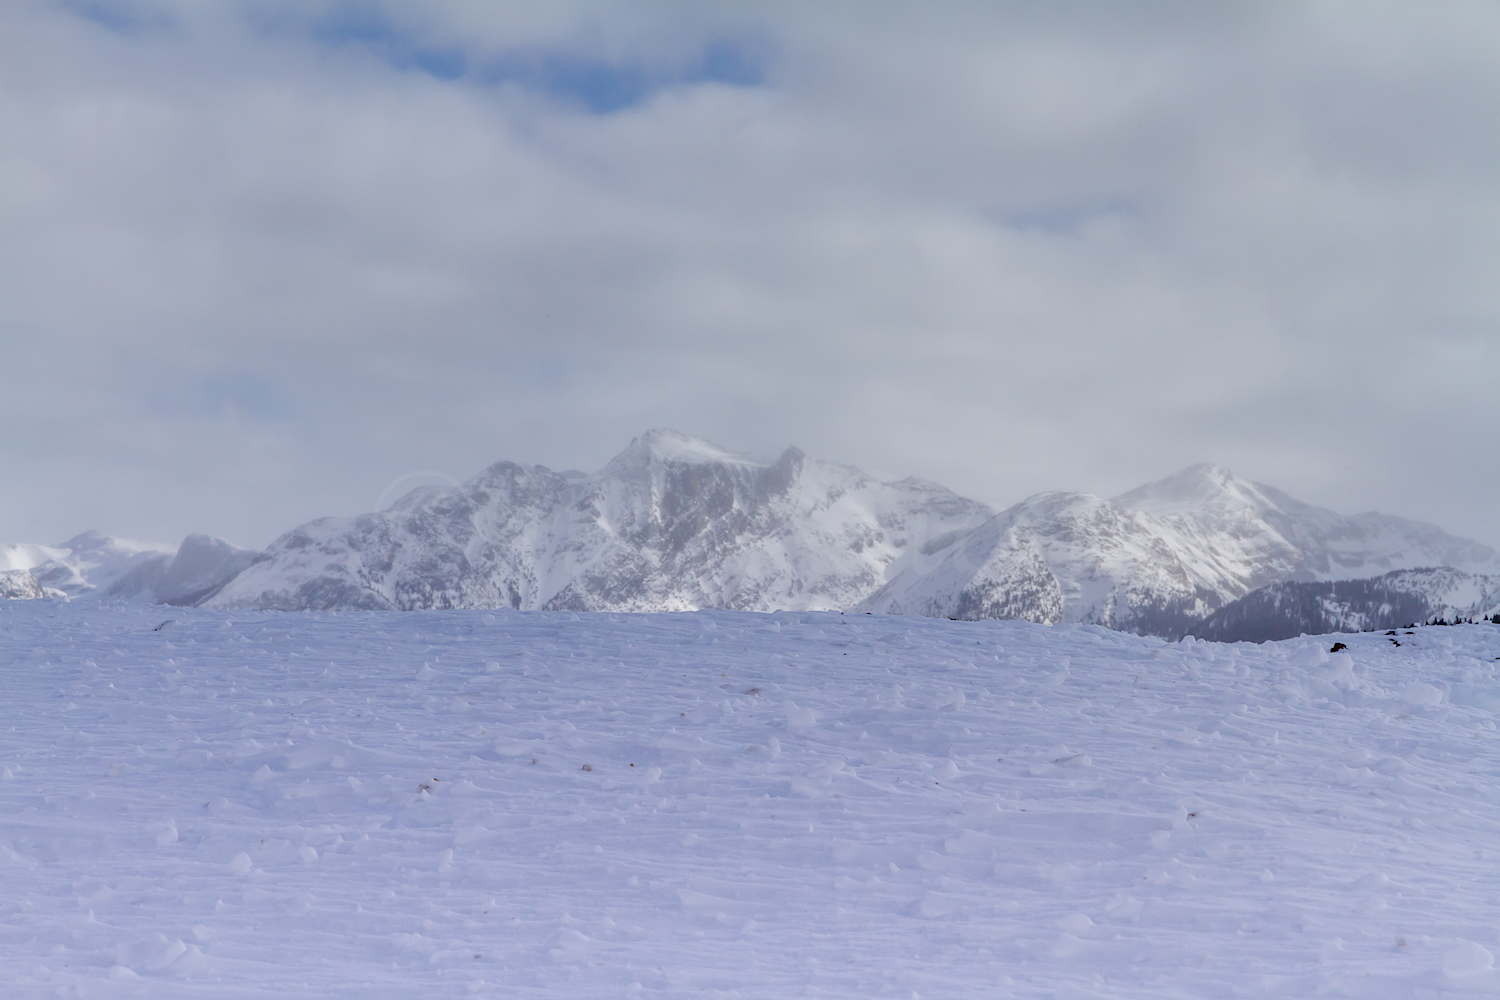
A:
(258, 262)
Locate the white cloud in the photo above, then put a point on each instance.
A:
(259, 262)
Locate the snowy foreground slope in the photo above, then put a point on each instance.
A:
(501, 804)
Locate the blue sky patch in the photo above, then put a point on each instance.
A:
(240, 392)
(1066, 218)
(575, 78)
(123, 17)
(358, 26)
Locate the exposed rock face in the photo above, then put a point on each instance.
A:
(672, 523)
(1404, 597)
(19, 585)
(1160, 558)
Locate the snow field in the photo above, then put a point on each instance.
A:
(473, 803)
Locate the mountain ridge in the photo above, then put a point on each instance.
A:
(1394, 600)
(1162, 557)
(674, 522)
(93, 565)
(671, 523)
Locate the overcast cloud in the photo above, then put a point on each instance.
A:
(261, 260)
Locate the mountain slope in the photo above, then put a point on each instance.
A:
(1158, 559)
(96, 565)
(201, 566)
(1210, 508)
(672, 523)
(675, 523)
(1287, 610)
(87, 565)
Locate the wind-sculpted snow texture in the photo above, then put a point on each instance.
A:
(673, 523)
(500, 804)
(1284, 610)
(1160, 558)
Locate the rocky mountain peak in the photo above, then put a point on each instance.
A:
(670, 523)
(1199, 488)
(668, 447)
(675, 522)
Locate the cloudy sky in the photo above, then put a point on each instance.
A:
(268, 260)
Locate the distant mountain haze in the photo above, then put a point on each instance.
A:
(1286, 610)
(94, 565)
(674, 523)
(1162, 557)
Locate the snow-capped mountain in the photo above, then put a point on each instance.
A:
(201, 566)
(675, 523)
(1160, 558)
(671, 523)
(96, 565)
(1392, 600)
(87, 565)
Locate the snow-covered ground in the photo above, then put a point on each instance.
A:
(501, 804)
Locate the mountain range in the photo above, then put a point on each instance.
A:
(675, 523)
(96, 565)
(1391, 601)
(672, 523)
(1162, 557)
